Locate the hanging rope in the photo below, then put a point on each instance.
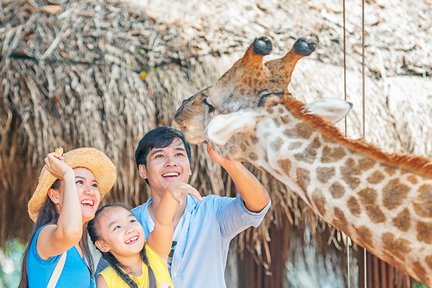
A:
(363, 118)
(345, 98)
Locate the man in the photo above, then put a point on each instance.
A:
(204, 229)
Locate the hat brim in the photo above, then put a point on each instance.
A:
(97, 162)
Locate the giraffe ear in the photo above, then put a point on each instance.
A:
(222, 127)
(330, 109)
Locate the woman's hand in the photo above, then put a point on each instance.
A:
(55, 164)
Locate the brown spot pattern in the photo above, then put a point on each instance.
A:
(303, 178)
(419, 270)
(294, 145)
(324, 174)
(270, 110)
(285, 164)
(233, 150)
(366, 164)
(276, 122)
(303, 130)
(424, 232)
(394, 193)
(308, 155)
(285, 119)
(337, 190)
(254, 140)
(389, 170)
(243, 147)
(423, 204)
(330, 155)
(365, 236)
(354, 206)
(396, 247)
(291, 133)
(428, 260)
(403, 220)
(316, 143)
(253, 156)
(412, 179)
(368, 198)
(339, 220)
(319, 202)
(350, 173)
(376, 177)
(276, 144)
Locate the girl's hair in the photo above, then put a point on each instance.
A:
(48, 215)
(93, 231)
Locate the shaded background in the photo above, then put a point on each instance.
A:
(102, 73)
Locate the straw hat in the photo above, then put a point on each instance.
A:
(96, 161)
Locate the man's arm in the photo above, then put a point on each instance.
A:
(252, 192)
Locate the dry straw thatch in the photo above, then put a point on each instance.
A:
(102, 73)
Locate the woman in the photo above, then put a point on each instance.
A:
(68, 194)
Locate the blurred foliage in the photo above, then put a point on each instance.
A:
(10, 263)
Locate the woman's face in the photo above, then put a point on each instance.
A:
(120, 232)
(88, 193)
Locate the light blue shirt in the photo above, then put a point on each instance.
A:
(203, 236)
(75, 271)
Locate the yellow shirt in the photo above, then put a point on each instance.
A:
(158, 266)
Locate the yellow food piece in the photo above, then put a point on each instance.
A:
(59, 150)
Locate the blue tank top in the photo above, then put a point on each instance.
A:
(75, 271)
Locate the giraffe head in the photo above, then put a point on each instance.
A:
(249, 84)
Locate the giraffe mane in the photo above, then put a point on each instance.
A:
(416, 164)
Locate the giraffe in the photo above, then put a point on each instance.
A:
(382, 201)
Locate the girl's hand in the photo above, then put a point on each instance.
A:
(179, 189)
(54, 162)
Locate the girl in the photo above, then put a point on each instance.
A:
(120, 237)
(68, 193)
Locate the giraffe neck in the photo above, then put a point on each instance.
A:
(382, 207)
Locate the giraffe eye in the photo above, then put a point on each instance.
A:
(207, 102)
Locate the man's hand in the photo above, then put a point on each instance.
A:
(219, 159)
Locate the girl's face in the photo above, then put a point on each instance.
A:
(120, 232)
(88, 193)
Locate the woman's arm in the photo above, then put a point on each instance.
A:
(56, 238)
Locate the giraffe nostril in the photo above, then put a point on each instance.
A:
(262, 46)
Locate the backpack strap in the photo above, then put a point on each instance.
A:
(57, 271)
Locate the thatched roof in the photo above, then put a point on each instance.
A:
(102, 73)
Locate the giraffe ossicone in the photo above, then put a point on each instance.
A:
(383, 201)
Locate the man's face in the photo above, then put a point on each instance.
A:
(165, 165)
